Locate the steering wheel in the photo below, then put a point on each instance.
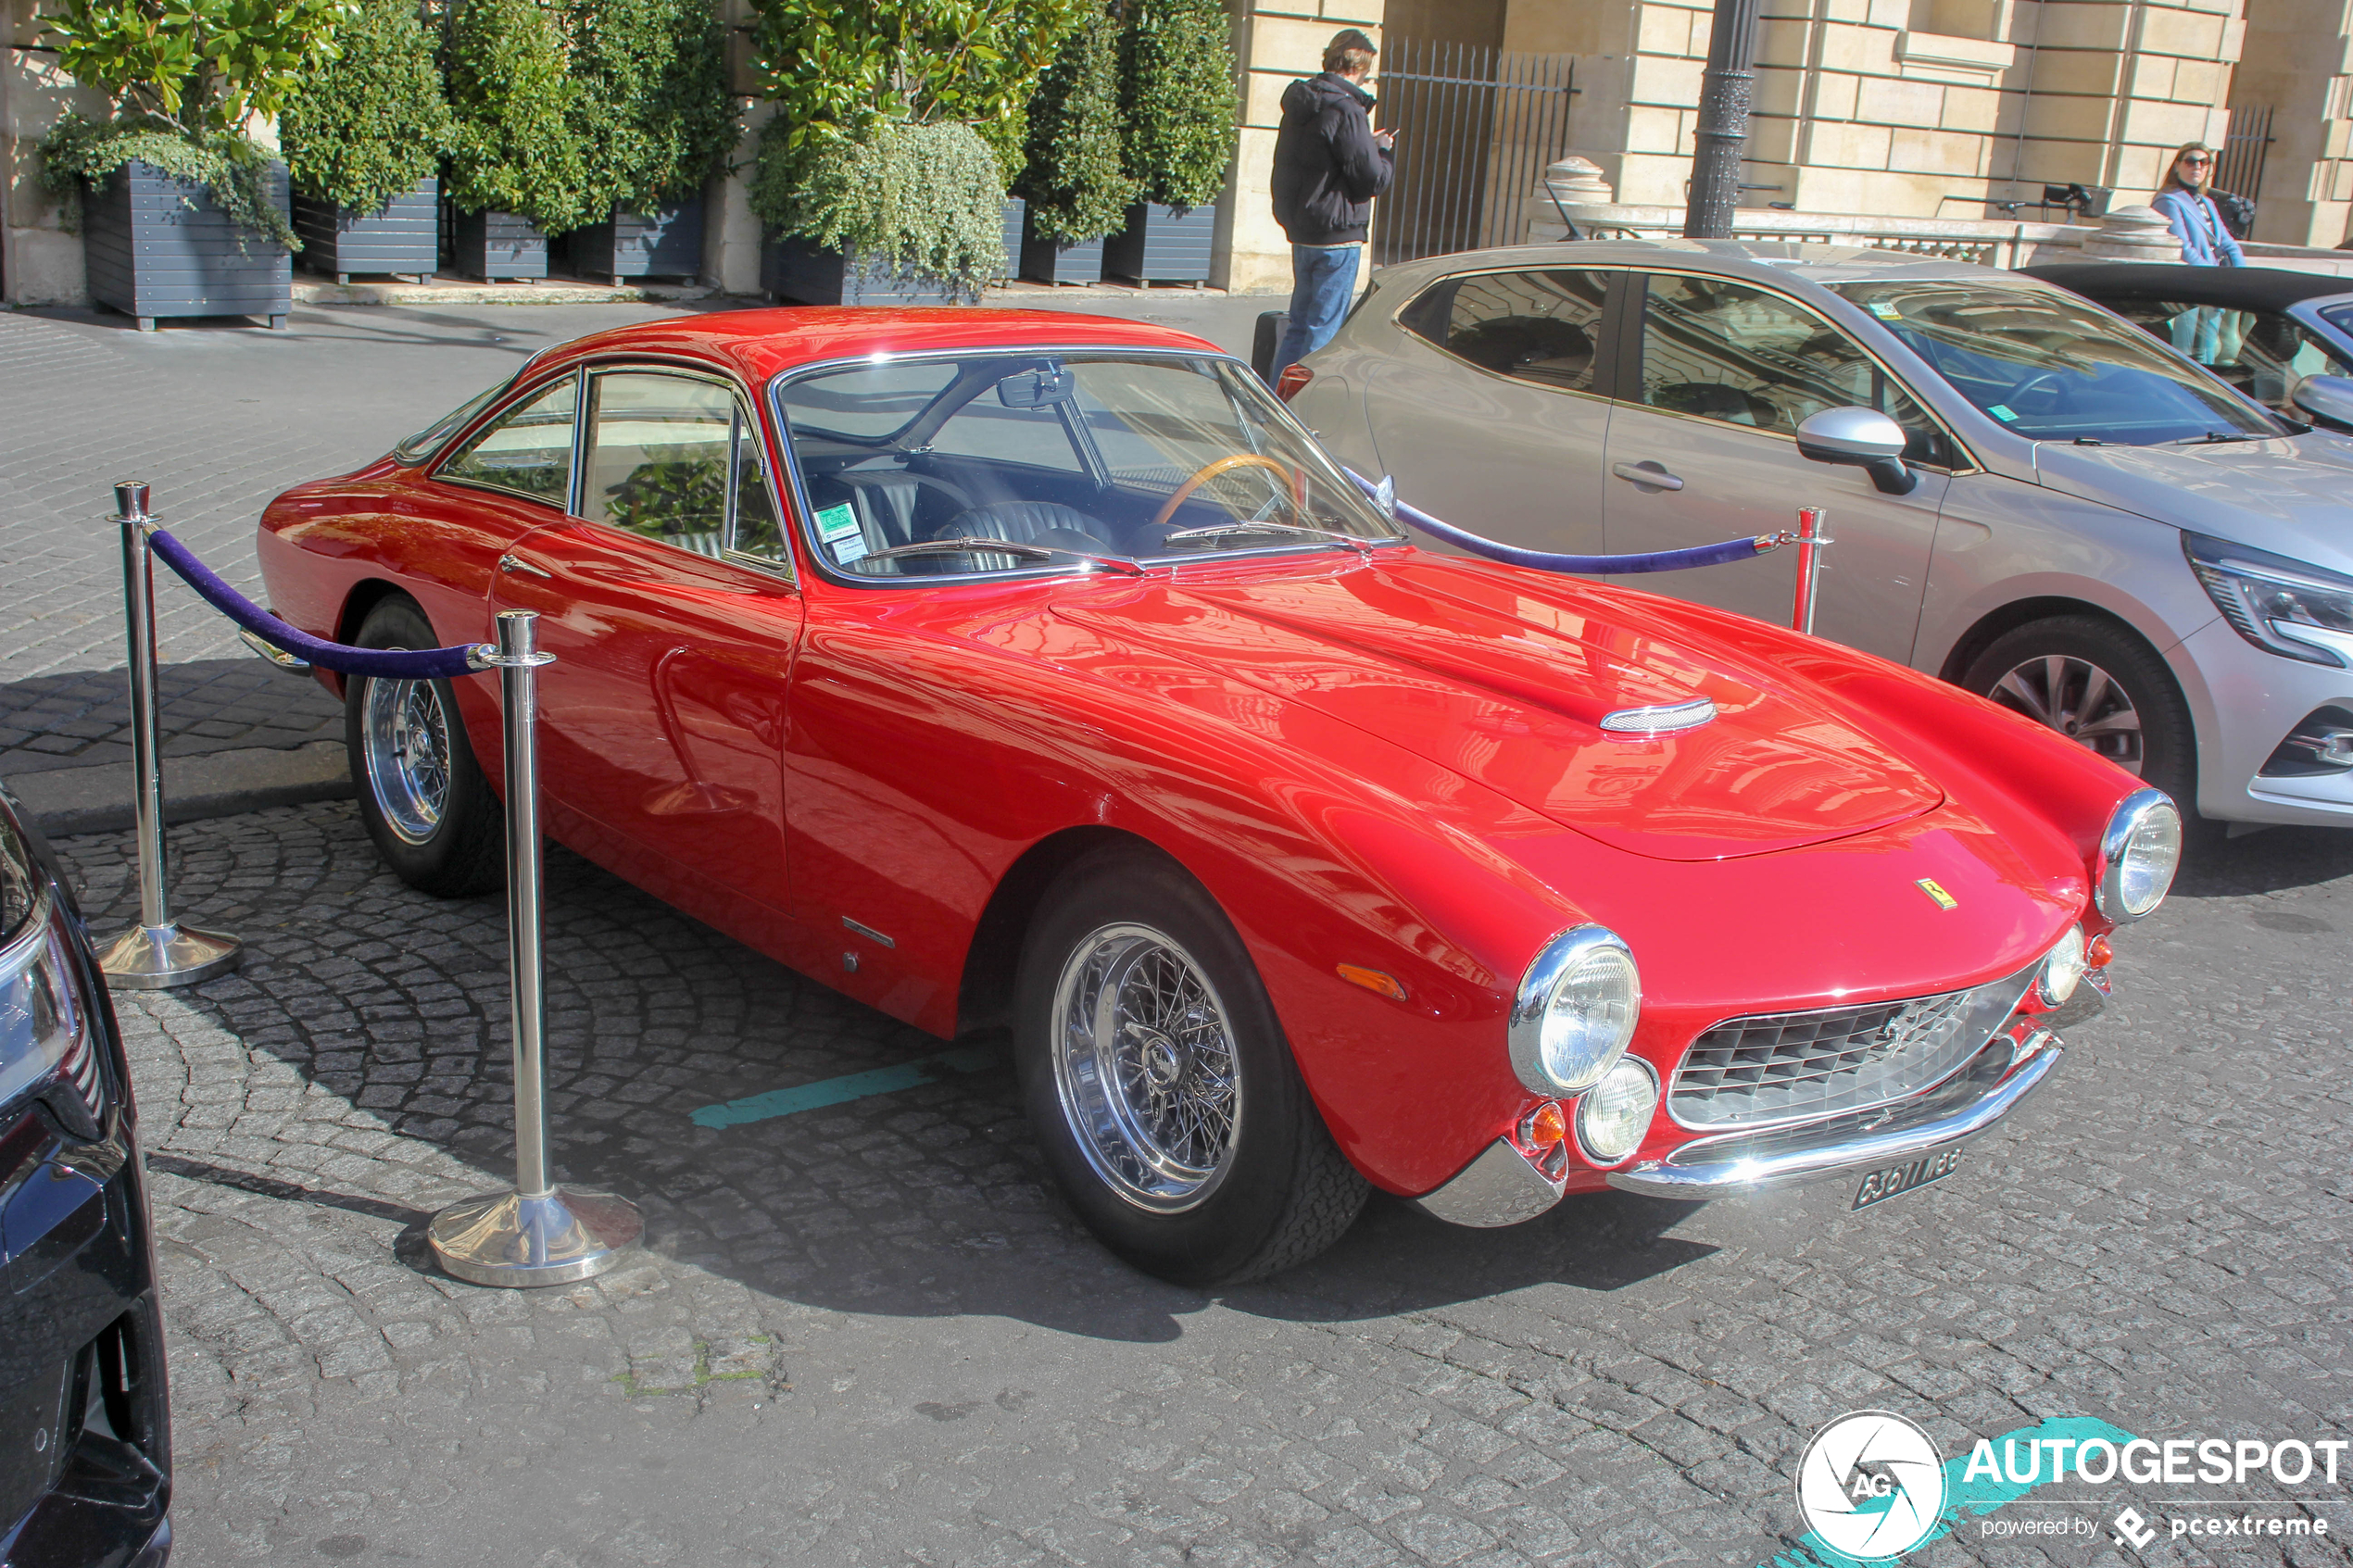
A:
(2034, 383)
(1235, 461)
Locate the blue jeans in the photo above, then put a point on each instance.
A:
(1323, 282)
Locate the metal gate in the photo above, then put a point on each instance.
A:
(1476, 126)
(2240, 168)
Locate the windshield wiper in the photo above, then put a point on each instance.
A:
(2214, 437)
(1227, 530)
(961, 545)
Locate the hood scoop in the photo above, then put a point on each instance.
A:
(1659, 719)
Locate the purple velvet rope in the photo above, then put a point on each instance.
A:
(1658, 560)
(400, 664)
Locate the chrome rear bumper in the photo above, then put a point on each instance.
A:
(2010, 1067)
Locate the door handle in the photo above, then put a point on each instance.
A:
(512, 562)
(1647, 474)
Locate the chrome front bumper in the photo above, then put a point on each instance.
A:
(2011, 1066)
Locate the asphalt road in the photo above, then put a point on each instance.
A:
(869, 1333)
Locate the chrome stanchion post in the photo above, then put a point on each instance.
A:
(1811, 536)
(158, 952)
(536, 1234)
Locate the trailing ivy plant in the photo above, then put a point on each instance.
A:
(516, 146)
(1077, 183)
(915, 199)
(1177, 97)
(182, 77)
(653, 109)
(372, 124)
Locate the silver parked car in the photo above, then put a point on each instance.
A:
(2042, 502)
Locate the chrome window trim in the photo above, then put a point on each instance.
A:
(1396, 320)
(1971, 462)
(464, 439)
(829, 573)
(686, 370)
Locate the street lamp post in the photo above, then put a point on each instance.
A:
(1723, 121)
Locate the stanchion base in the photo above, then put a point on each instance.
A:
(504, 1238)
(156, 958)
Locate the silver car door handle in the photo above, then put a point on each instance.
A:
(1647, 474)
(511, 563)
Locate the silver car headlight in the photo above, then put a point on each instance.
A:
(1615, 1114)
(2139, 853)
(46, 1023)
(1575, 1010)
(2281, 606)
(2063, 968)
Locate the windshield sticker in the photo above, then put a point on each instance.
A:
(1886, 311)
(838, 526)
(2002, 412)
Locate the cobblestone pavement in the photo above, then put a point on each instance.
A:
(81, 717)
(871, 1334)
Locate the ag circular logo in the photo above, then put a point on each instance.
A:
(1871, 1485)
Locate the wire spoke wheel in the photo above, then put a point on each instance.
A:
(1145, 1067)
(404, 732)
(2080, 701)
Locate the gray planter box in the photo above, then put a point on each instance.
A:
(1016, 220)
(1162, 244)
(404, 235)
(155, 245)
(663, 244)
(491, 245)
(1049, 261)
(790, 267)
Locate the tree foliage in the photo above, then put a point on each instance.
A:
(200, 66)
(1077, 183)
(516, 146)
(910, 198)
(1178, 100)
(372, 122)
(653, 108)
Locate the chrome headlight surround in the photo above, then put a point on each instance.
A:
(1575, 1011)
(2141, 846)
(2063, 968)
(1642, 1078)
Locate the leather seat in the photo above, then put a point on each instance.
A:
(1026, 522)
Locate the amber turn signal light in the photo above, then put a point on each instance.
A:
(2097, 954)
(1374, 980)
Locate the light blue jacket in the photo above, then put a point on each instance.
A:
(2205, 242)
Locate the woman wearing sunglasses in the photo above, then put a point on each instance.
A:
(2189, 210)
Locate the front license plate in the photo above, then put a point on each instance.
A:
(1880, 1186)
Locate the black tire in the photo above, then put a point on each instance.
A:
(2165, 753)
(451, 843)
(1282, 1192)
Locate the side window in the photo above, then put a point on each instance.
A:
(1721, 350)
(659, 450)
(757, 529)
(527, 451)
(1541, 327)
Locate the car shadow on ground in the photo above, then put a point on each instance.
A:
(928, 1202)
(2271, 860)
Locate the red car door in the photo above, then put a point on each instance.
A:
(667, 601)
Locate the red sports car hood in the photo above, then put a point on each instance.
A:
(1506, 681)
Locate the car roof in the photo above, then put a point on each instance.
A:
(2232, 288)
(757, 344)
(1761, 259)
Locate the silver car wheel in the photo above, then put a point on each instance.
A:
(1145, 1068)
(2080, 700)
(405, 740)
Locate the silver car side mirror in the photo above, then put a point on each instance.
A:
(1862, 438)
(2327, 401)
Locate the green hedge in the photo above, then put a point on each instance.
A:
(652, 108)
(1177, 97)
(517, 146)
(1076, 183)
(373, 122)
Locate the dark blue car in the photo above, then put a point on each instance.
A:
(85, 1431)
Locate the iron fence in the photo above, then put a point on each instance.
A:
(1475, 128)
(2240, 168)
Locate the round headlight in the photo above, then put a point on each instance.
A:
(2063, 969)
(1575, 1010)
(1613, 1115)
(2139, 854)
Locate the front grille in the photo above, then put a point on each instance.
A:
(1793, 1066)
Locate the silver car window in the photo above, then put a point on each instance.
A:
(2262, 353)
(2054, 368)
(1541, 326)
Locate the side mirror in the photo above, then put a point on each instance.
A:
(2327, 401)
(1385, 497)
(1861, 438)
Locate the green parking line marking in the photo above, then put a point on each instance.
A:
(840, 1091)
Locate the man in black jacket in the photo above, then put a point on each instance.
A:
(1329, 164)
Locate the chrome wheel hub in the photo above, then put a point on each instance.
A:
(2080, 701)
(405, 741)
(1145, 1068)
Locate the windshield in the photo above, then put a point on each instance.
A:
(1065, 457)
(2340, 317)
(421, 446)
(2057, 369)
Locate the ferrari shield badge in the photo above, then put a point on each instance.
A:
(1937, 896)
